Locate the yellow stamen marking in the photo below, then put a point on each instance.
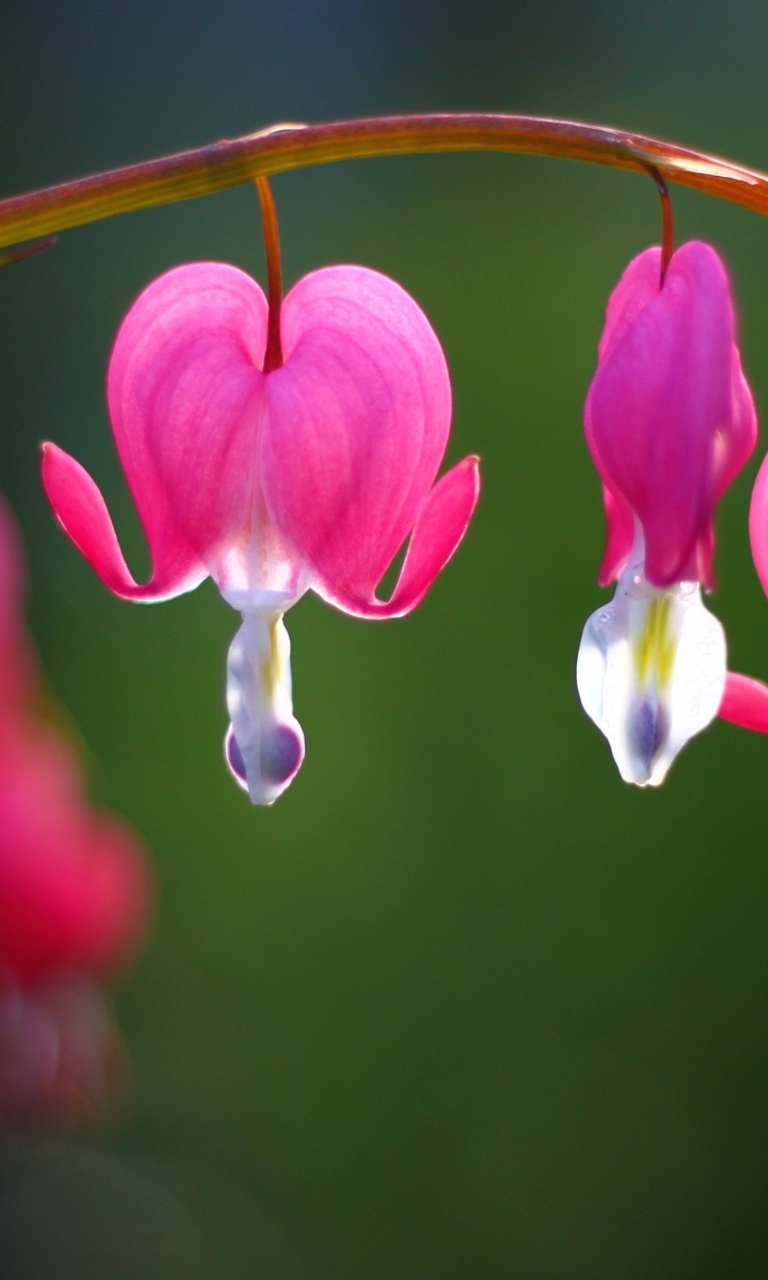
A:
(655, 648)
(271, 666)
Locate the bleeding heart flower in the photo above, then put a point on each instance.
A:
(309, 475)
(670, 422)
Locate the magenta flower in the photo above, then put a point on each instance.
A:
(309, 475)
(670, 422)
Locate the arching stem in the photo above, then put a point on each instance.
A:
(273, 356)
(290, 146)
(667, 222)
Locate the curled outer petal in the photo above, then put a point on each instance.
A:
(355, 427)
(82, 513)
(440, 527)
(184, 391)
(669, 418)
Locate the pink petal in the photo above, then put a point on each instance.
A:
(734, 449)
(745, 702)
(669, 419)
(758, 524)
(638, 286)
(355, 427)
(620, 523)
(185, 393)
(83, 514)
(439, 529)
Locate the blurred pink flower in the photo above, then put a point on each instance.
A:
(308, 476)
(18, 673)
(74, 898)
(73, 882)
(670, 422)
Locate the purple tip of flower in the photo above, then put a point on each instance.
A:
(281, 754)
(282, 751)
(234, 757)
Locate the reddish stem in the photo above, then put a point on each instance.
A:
(273, 356)
(667, 222)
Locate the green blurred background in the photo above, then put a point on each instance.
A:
(462, 1005)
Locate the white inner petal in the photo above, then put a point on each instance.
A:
(651, 673)
(265, 745)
